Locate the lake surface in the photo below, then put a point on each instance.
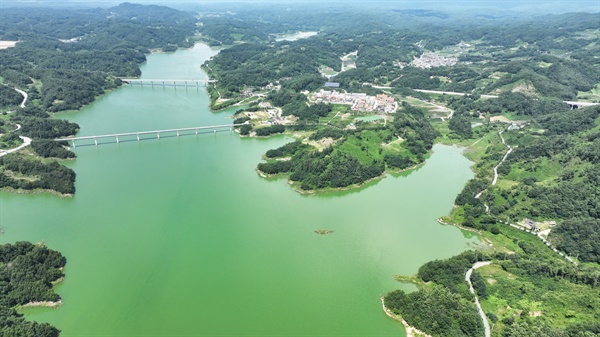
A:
(181, 236)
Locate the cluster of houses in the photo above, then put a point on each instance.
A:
(360, 102)
(432, 60)
(534, 226)
(269, 115)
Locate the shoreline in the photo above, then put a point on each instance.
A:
(36, 191)
(42, 304)
(339, 189)
(410, 330)
(482, 238)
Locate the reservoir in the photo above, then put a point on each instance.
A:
(181, 237)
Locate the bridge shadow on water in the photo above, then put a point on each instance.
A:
(133, 139)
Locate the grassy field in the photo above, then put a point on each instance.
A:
(367, 146)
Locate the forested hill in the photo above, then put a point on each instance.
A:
(32, 23)
(491, 57)
(65, 59)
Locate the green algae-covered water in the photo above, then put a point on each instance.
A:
(181, 237)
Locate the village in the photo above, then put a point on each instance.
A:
(432, 60)
(381, 103)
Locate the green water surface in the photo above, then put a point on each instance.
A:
(181, 236)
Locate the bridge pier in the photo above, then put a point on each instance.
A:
(74, 146)
(117, 139)
(158, 136)
(96, 141)
(196, 131)
(177, 133)
(138, 137)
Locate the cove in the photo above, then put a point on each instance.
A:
(181, 236)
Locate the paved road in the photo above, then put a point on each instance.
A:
(24, 97)
(26, 142)
(486, 324)
(451, 93)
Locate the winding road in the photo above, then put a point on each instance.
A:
(26, 142)
(486, 324)
(24, 97)
(503, 158)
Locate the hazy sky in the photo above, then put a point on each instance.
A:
(534, 6)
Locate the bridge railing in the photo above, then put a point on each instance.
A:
(137, 134)
(167, 82)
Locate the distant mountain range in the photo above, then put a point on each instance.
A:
(432, 9)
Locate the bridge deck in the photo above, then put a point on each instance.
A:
(154, 132)
(165, 81)
(581, 103)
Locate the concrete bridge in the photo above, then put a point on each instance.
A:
(132, 136)
(575, 105)
(167, 82)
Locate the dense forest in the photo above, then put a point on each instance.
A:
(65, 59)
(27, 274)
